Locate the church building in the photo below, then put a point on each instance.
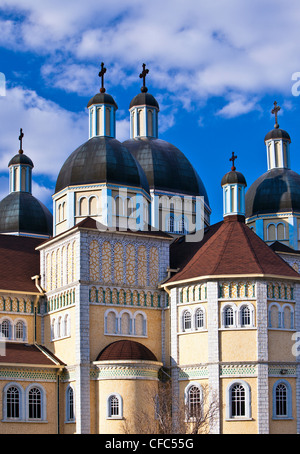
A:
(110, 300)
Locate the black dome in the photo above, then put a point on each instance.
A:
(101, 159)
(22, 212)
(144, 99)
(102, 98)
(166, 167)
(277, 190)
(20, 158)
(277, 133)
(233, 177)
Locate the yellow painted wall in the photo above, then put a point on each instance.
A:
(283, 426)
(193, 348)
(98, 341)
(238, 426)
(48, 427)
(63, 348)
(138, 406)
(280, 345)
(238, 345)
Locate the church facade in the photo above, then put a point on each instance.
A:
(109, 304)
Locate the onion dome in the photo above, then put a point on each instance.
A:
(21, 213)
(277, 190)
(126, 350)
(101, 160)
(102, 98)
(233, 184)
(144, 99)
(166, 167)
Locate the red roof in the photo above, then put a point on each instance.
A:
(19, 262)
(228, 248)
(17, 353)
(126, 350)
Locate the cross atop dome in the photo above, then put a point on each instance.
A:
(275, 111)
(233, 158)
(143, 75)
(21, 141)
(101, 74)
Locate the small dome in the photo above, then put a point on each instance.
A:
(144, 99)
(22, 212)
(277, 190)
(99, 160)
(233, 177)
(277, 133)
(166, 167)
(102, 98)
(20, 158)
(126, 350)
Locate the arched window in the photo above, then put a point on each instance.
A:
(170, 226)
(186, 320)
(238, 400)
(114, 406)
(282, 400)
(5, 329)
(194, 402)
(245, 316)
(228, 316)
(35, 403)
(70, 411)
(13, 402)
(199, 319)
(19, 330)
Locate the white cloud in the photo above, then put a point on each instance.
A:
(195, 49)
(238, 105)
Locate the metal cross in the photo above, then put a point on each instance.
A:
(143, 76)
(101, 74)
(275, 111)
(233, 158)
(21, 140)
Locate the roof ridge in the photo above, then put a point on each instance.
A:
(251, 247)
(221, 254)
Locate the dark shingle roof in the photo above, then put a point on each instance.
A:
(229, 248)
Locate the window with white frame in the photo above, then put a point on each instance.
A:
(229, 316)
(35, 403)
(199, 318)
(186, 320)
(114, 406)
(238, 400)
(19, 330)
(70, 410)
(194, 402)
(5, 329)
(245, 316)
(13, 402)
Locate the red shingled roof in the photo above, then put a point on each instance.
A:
(228, 248)
(19, 262)
(17, 353)
(126, 349)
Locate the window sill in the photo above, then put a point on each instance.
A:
(30, 421)
(239, 418)
(114, 418)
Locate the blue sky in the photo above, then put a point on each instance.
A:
(215, 68)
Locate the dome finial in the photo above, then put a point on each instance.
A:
(275, 111)
(101, 74)
(233, 158)
(21, 141)
(143, 75)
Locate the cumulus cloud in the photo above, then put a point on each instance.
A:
(197, 49)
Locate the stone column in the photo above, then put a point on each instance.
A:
(262, 358)
(213, 348)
